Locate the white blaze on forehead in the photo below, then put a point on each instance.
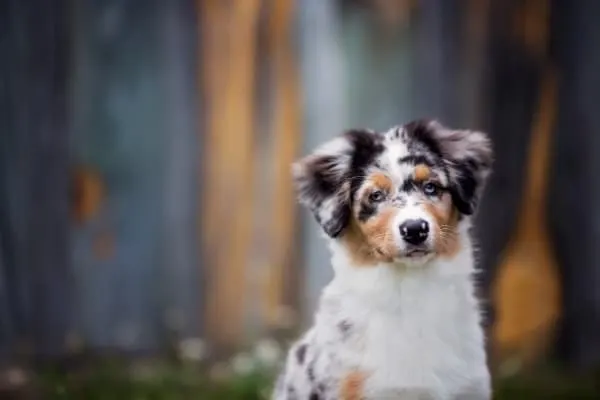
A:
(397, 149)
(389, 160)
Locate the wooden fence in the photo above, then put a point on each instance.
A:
(145, 151)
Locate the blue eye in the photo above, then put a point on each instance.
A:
(430, 189)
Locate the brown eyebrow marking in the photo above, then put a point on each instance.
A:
(421, 172)
(381, 181)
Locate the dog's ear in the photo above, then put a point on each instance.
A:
(323, 179)
(468, 157)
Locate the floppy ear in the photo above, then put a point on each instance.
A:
(323, 179)
(468, 157)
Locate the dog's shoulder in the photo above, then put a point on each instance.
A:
(319, 365)
(312, 369)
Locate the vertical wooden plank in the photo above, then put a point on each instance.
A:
(527, 292)
(12, 324)
(281, 282)
(377, 52)
(435, 61)
(323, 76)
(241, 134)
(512, 86)
(229, 47)
(182, 308)
(120, 133)
(574, 193)
(34, 156)
(475, 37)
(213, 35)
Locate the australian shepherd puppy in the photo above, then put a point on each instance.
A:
(400, 319)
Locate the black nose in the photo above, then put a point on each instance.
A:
(414, 231)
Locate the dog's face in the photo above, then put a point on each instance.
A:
(397, 196)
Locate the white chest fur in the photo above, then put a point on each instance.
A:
(415, 333)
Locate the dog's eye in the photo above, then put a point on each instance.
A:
(376, 196)
(430, 189)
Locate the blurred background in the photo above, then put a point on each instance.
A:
(150, 243)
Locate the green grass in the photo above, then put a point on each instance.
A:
(114, 382)
(111, 381)
(548, 385)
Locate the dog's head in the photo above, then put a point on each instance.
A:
(396, 196)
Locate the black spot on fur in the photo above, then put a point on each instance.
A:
(367, 146)
(339, 218)
(314, 396)
(344, 326)
(417, 159)
(422, 132)
(324, 178)
(408, 186)
(378, 165)
(301, 353)
(400, 200)
(310, 372)
(292, 394)
(463, 190)
(310, 369)
(366, 211)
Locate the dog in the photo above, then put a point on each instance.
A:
(400, 319)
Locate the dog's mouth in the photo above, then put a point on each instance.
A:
(416, 253)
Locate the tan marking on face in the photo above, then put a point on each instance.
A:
(421, 172)
(352, 386)
(380, 181)
(445, 216)
(372, 241)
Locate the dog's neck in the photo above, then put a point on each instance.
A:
(386, 284)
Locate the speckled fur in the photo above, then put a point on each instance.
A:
(393, 327)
